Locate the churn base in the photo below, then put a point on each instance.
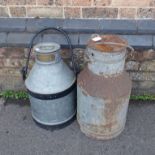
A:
(53, 124)
(98, 136)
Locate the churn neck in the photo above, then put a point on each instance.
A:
(47, 53)
(106, 55)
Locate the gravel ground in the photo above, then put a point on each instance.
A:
(20, 135)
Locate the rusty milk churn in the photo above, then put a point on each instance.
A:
(51, 86)
(104, 88)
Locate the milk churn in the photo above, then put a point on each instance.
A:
(51, 86)
(104, 88)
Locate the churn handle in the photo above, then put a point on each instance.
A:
(127, 46)
(58, 29)
(98, 38)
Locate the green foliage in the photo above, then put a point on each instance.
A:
(145, 97)
(10, 94)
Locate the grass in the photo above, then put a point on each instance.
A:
(10, 94)
(145, 97)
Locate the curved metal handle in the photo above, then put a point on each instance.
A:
(127, 46)
(25, 68)
(124, 45)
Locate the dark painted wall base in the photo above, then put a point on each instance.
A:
(17, 32)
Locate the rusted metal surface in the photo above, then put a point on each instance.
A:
(103, 87)
(103, 98)
(102, 104)
(102, 47)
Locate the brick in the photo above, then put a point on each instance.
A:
(146, 85)
(44, 12)
(142, 76)
(146, 27)
(34, 25)
(11, 82)
(118, 26)
(18, 11)
(16, 24)
(143, 91)
(84, 25)
(132, 65)
(11, 53)
(30, 2)
(67, 2)
(148, 66)
(12, 63)
(3, 37)
(146, 13)
(130, 2)
(45, 2)
(4, 12)
(65, 53)
(71, 12)
(148, 54)
(142, 55)
(79, 57)
(102, 2)
(127, 13)
(16, 2)
(3, 2)
(100, 12)
(152, 3)
(142, 41)
(60, 2)
(9, 71)
(81, 2)
(2, 53)
(60, 39)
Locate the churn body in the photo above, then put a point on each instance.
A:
(103, 89)
(51, 86)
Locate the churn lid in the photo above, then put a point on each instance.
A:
(107, 43)
(46, 47)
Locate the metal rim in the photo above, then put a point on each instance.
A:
(53, 124)
(48, 47)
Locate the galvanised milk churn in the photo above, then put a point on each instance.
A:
(104, 88)
(51, 86)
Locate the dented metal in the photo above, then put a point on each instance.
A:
(103, 92)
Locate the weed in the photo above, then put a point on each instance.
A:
(145, 97)
(10, 94)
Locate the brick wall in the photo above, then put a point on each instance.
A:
(16, 33)
(136, 9)
(140, 66)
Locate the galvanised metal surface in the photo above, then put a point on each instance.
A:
(103, 91)
(53, 112)
(50, 77)
(105, 63)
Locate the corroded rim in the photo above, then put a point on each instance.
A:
(108, 48)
